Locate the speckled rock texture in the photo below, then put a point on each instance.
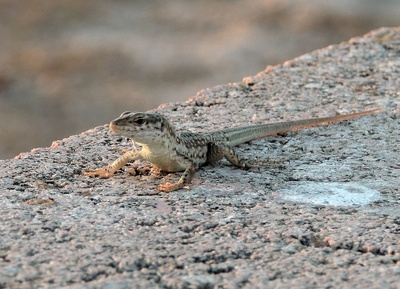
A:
(233, 228)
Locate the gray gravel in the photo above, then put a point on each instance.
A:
(233, 228)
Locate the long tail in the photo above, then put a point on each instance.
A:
(239, 135)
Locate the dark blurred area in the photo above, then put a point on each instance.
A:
(69, 65)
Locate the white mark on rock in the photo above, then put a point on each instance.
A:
(331, 194)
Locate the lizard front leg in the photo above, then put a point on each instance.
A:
(229, 153)
(185, 179)
(109, 170)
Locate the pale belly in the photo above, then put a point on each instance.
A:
(167, 161)
(167, 165)
(164, 162)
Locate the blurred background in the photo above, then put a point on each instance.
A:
(69, 65)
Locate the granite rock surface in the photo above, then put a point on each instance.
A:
(233, 228)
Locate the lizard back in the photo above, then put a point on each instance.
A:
(239, 135)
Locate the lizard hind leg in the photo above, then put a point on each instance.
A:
(229, 153)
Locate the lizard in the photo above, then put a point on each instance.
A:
(172, 151)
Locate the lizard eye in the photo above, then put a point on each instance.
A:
(140, 121)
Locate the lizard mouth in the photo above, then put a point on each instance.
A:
(117, 128)
(113, 127)
(121, 130)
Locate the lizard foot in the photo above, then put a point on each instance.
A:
(101, 173)
(168, 187)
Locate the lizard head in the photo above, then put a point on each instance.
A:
(146, 128)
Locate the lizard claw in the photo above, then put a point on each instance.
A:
(101, 173)
(168, 187)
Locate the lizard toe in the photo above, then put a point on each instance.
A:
(101, 173)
